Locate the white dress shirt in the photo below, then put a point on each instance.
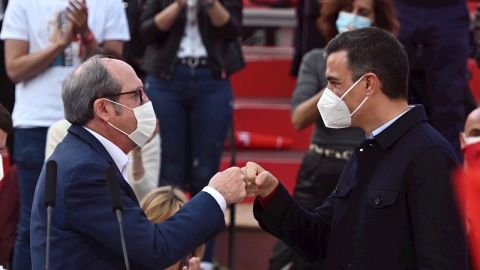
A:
(121, 160)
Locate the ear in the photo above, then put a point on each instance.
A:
(102, 109)
(372, 83)
(462, 140)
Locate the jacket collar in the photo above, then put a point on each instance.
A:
(401, 126)
(98, 147)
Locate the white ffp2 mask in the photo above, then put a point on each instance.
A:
(334, 111)
(146, 123)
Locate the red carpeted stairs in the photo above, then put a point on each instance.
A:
(262, 107)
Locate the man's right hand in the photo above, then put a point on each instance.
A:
(258, 180)
(231, 184)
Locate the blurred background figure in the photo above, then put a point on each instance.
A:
(436, 37)
(159, 205)
(307, 35)
(8, 194)
(192, 49)
(468, 183)
(45, 41)
(7, 88)
(330, 148)
(144, 163)
(470, 140)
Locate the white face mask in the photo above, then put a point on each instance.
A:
(334, 111)
(146, 123)
(471, 140)
(348, 21)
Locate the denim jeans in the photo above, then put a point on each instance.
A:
(195, 112)
(29, 156)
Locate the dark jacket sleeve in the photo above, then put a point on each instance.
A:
(149, 32)
(439, 237)
(303, 231)
(232, 29)
(311, 77)
(151, 246)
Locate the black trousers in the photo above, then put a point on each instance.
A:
(317, 177)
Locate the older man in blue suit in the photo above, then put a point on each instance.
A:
(110, 115)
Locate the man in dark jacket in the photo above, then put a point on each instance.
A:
(393, 207)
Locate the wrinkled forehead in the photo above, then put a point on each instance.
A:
(123, 73)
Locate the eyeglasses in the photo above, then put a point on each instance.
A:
(137, 94)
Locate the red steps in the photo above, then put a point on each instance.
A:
(262, 105)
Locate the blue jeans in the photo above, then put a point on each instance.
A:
(29, 156)
(195, 112)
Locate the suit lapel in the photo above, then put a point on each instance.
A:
(98, 147)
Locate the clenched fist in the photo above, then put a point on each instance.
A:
(258, 181)
(230, 183)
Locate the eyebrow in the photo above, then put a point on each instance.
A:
(474, 131)
(332, 79)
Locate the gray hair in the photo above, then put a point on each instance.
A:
(83, 86)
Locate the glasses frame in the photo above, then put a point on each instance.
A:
(138, 91)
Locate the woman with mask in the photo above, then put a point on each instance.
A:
(330, 148)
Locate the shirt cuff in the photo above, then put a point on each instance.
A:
(265, 201)
(217, 196)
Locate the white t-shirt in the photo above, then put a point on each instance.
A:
(38, 101)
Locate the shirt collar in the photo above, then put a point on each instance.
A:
(386, 125)
(400, 126)
(118, 156)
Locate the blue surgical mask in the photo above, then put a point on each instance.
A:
(348, 21)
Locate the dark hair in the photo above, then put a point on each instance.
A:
(5, 120)
(90, 81)
(383, 9)
(372, 49)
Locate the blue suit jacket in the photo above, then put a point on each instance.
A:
(85, 233)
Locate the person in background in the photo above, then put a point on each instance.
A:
(437, 40)
(161, 204)
(7, 88)
(470, 140)
(193, 46)
(44, 42)
(8, 196)
(330, 148)
(144, 162)
(307, 35)
(467, 181)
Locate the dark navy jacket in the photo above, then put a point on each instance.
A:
(393, 207)
(85, 233)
